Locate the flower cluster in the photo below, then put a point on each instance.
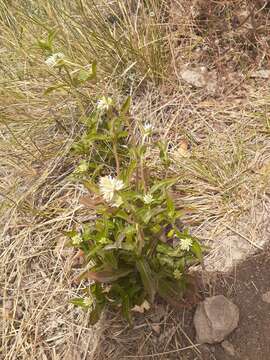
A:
(148, 199)
(54, 59)
(185, 244)
(148, 129)
(104, 103)
(109, 187)
(76, 239)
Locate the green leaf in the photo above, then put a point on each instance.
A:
(128, 196)
(164, 249)
(53, 88)
(109, 259)
(91, 187)
(51, 36)
(196, 249)
(86, 233)
(96, 313)
(117, 292)
(141, 151)
(126, 308)
(170, 206)
(156, 229)
(97, 291)
(128, 232)
(165, 260)
(163, 153)
(106, 276)
(129, 171)
(122, 215)
(70, 234)
(147, 278)
(122, 246)
(179, 213)
(122, 134)
(163, 184)
(94, 251)
(125, 107)
(84, 75)
(180, 264)
(78, 302)
(98, 137)
(170, 233)
(150, 213)
(44, 45)
(145, 214)
(94, 70)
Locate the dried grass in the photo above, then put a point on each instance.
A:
(219, 145)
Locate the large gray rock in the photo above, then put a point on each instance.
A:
(214, 319)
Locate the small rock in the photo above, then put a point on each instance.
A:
(262, 74)
(200, 77)
(228, 347)
(214, 319)
(266, 297)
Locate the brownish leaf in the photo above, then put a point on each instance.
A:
(91, 202)
(106, 276)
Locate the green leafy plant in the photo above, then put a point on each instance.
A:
(135, 248)
(71, 75)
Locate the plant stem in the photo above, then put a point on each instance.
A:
(140, 238)
(142, 175)
(116, 158)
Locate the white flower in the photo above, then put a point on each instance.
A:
(53, 60)
(185, 244)
(148, 198)
(88, 301)
(108, 187)
(104, 103)
(76, 239)
(147, 129)
(177, 274)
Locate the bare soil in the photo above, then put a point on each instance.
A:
(169, 334)
(245, 286)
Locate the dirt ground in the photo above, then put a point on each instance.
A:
(246, 286)
(165, 334)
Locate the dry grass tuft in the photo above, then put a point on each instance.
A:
(219, 145)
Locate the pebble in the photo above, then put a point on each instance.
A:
(228, 347)
(266, 297)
